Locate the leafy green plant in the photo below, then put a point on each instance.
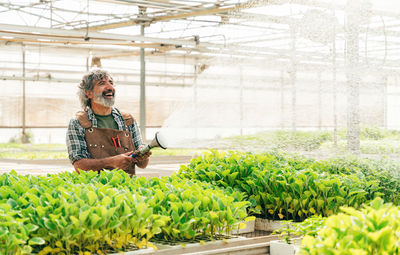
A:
(372, 230)
(380, 177)
(309, 226)
(284, 186)
(15, 232)
(373, 133)
(384, 146)
(109, 212)
(190, 205)
(286, 231)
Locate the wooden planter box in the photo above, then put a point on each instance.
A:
(234, 246)
(268, 225)
(250, 227)
(280, 247)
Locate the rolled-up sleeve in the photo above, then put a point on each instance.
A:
(76, 144)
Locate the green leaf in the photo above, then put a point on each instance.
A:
(26, 249)
(159, 194)
(94, 218)
(106, 201)
(175, 217)
(3, 231)
(31, 227)
(91, 197)
(74, 220)
(377, 203)
(36, 241)
(197, 212)
(250, 218)
(76, 231)
(234, 175)
(12, 203)
(187, 206)
(114, 224)
(225, 172)
(50, 225)
(41, 211)
(83, 216)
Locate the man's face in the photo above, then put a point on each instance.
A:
(103, 92)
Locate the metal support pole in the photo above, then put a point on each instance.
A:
(142, 88)
(241, 100)
(353, 76)
(293, 76)
(195, 70)
(282, 100)
(384, 100)
(334, 86)
(23, 137)
(319, 101)
(334, 96)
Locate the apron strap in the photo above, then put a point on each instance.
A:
(83, 119)
(128, 119)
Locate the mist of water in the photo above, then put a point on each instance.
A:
(322, 77)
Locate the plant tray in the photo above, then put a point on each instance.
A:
(250, 227)
(234, 246)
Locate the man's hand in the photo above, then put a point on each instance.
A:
(142, 160)
(123, 161)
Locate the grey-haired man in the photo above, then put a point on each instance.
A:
(102, 137)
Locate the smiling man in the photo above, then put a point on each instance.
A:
(102, 137)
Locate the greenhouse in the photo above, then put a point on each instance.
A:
(199, 127)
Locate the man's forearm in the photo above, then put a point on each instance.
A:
(87, 164)
(122, 161)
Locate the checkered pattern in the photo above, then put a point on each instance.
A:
(76, 143)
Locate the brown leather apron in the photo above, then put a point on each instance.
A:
(99, 140)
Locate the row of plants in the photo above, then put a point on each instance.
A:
(27, 155)
(384, 146)
(58, 151)
(283, 186)
(374, 229)
(108, 212)
(373, 140)
(30, 146)
(281, 139)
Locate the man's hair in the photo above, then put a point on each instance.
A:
(87, 83)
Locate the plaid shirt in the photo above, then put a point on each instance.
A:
(76, 143)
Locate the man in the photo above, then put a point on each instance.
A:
(102, 137)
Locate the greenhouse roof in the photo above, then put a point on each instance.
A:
(265, 30)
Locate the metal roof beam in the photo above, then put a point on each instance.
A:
(75, 34)
(208, 11)
(332, 5)
(66, 80)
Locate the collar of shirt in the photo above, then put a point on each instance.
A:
(115, 113)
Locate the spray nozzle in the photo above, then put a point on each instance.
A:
(158, 141)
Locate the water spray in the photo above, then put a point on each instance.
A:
(158, 141)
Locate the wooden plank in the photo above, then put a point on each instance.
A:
(252, 249)
(214, 246)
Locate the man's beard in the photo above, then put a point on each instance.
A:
(98, 98)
